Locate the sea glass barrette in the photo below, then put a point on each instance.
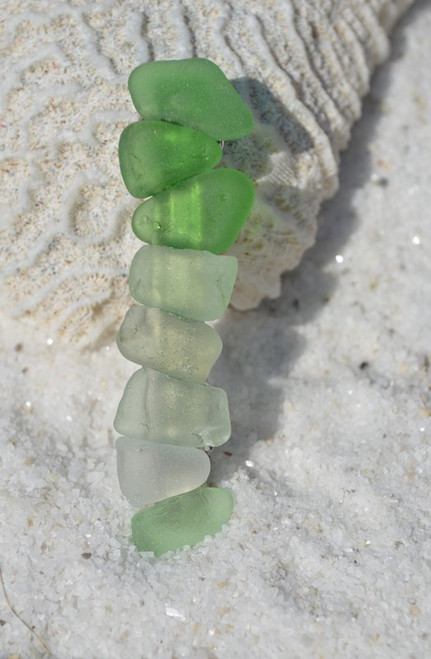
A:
(169, 416)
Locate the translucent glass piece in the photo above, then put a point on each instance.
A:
(155, 155)
(206, 212)
(182, 520)
(179, 347)
(163, 409)
(187, 282)
(150, 472)
(192, 92)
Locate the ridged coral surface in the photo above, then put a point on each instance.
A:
(66, 243)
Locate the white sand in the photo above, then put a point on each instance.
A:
(327, 554)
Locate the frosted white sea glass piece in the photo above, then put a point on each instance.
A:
(187, 282)
(162, 409)
(150, 472)
(182, 348)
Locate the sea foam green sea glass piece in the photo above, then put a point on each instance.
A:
(182, 520)
(155, 155)
(191, 92)
(150, 472)
(187, 282)
(179, 347)
(163, 409)
(205, 212)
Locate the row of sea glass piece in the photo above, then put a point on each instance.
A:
(168, 413)
(167, 401)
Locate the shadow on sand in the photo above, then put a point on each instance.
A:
(262, 345)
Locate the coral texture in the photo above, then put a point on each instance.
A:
(65, 242)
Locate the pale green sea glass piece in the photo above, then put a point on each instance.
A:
(155, 155)
(182, 520)
(206, 212)
(187, 282)
(150, 472)
(163, 409)
(179, 347)
(191, 92)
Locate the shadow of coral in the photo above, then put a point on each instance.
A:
(261, 346)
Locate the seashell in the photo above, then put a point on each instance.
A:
(302, 67)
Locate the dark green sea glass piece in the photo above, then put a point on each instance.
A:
(206, 212)
(181, 520)
(155, 155)
(191, 92)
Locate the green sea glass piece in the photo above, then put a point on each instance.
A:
(179, 347)
(155, 155)
(191, 92)
(190, 283)
(182, 520)
(206, 212)
(150, 472)
(170, 411)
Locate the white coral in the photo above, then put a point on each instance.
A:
(66, 243)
